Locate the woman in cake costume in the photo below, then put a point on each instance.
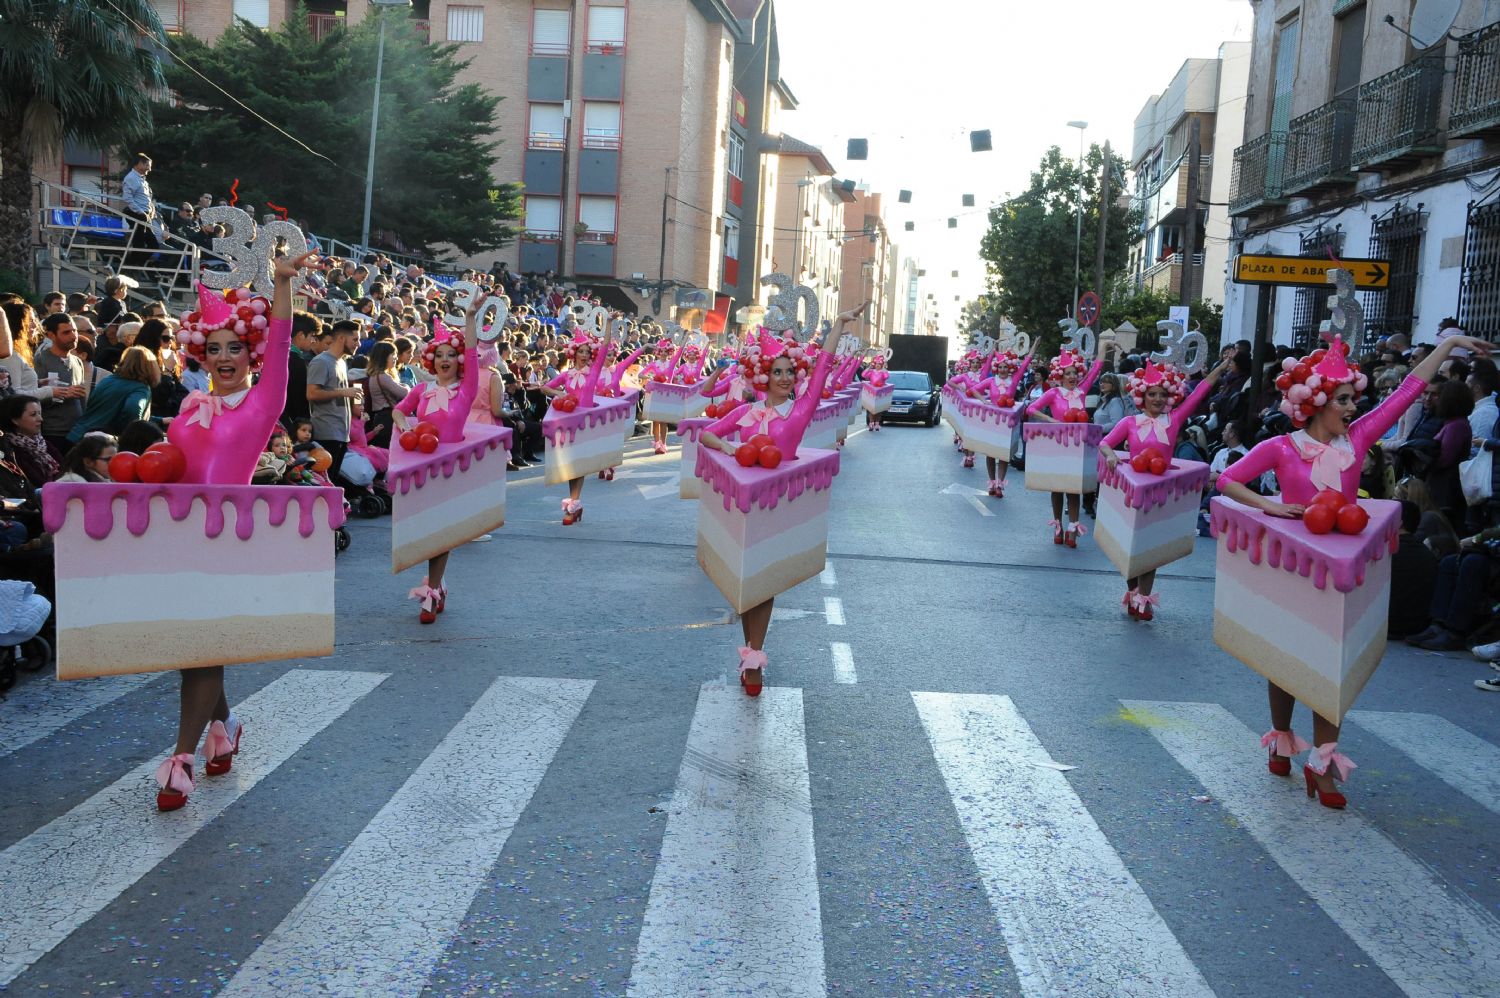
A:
(222, 434)
(1326, 451)
(663, 364)
(1070, 386)
(446, 403)
(586, 355)
(1009, 370)
(786, 411)
(1157, 392)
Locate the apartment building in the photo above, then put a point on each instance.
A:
(869, 268)
(1368, 139)
(1210, 93)
(810, 227)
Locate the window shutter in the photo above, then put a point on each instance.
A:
(549, 31)
(169, 12)
(606, 25)
(543, 215)
(598, 214)
(465, 24)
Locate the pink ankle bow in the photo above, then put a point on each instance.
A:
(1286, 743)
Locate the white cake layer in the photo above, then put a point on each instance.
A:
(593, 450)
(1320, 645)
(1138, 541)
(473, 508)
(659, 408)
(298, 589)
(990, 439)
(787, 555)
(688, 484)
(822, 434)
(715, 527)
(1067, 472)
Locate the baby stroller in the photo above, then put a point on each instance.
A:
(304, 471)
(23, 614)
(362, 472)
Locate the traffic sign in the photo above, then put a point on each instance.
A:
(1306, 271)
(1088, 308)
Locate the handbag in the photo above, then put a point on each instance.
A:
(1474, 475)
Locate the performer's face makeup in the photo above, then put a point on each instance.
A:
(1336, 415)
(445, 363)
(583, 358)
(783, 379)
(1071, 378)
(228, 360)
(1156, 401)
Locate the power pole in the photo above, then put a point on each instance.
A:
(1104, 177)
(661, 259)
(1190, 228)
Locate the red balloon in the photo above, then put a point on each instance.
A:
(1283, 381)
(154, 467)
(245, 312)
(1141, 462)
(232, 295)
(761, 440)
(1301, 373)
(1319, 519)
(175, 455)
(569, 403)
(122, 467)
(1158, 465)
(1317, 356)
(1330, 497)
(409, 440)
(770, 456)
(1352, 519)
(427, 443)
(747, 455)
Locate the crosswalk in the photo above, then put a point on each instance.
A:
(737, 902)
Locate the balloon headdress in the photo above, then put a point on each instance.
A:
(238, 309)
(1007, 363)
(443, 336)
(759, 355)
(1165, 376)
(1065, 362)
(972, 362)
(1306, 385)
(578, 341)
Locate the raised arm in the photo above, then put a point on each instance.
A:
(618, 371)
(1093, 375)
(1370, 427)
(1199, 395)
(268, 397)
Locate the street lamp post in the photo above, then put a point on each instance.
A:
(1078, 225)
(364, 229)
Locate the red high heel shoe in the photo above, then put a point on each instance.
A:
(1283, 745)
(1331, 798)
(1129, 604)
(1323, 758)
(428, 598)
(174, 778)
(1057, 537)
(219, 748)
(572, 512)
(752, 661)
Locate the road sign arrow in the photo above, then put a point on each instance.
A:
(971, 494)
(1376, 273)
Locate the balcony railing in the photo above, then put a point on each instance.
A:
(423, 28)
(601, 138)
(1397, 120)
(1476, 84)
(320, 24)
(607, 238)
(549, 48)
(1258, 166)
(1318, 145)
(543, 235)
(546, 140)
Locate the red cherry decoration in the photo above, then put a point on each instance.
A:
(769, 456)
(122, 466)
(1330, 497)
(425, 427)
(747, 455)
(1319, 519)
(1006, 401)
(1141, 463)
(1158, 465)
(177, 459)
(1352, 519)
(427, 442)
(761, 440)
(409, 440)
(154, 467)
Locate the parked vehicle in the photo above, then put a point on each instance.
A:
(914, 399)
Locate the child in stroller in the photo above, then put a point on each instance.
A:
(285, 463)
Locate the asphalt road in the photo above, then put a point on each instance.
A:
(970, 775)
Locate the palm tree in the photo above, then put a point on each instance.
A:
(84, 70)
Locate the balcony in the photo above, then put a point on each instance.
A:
(1476, 85)
(1256, 181)
(1397, 121)
(601, 138)
(551, 49)
(1318, 147)
(321, 24)
(546, 140)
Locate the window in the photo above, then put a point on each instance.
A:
(606, 29)
(1350, 52)
(1310, 305)
(549, 32)
(1395, 236)
(731, 238)
(1287, 41)
(601, 125)
(544, 216)
(87, 180)
(1479, 292)
(257, 12)
(736, 156)
(548, 129)
(599, 215)
(170, 13)
(465, 24)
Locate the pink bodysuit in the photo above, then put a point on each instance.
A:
(1147, 436)
(1057, 401)
(445, 408)
(1011, 386)
(751, 418)
(1305, 467)
(222, 439)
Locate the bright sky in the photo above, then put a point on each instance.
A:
(915, 77)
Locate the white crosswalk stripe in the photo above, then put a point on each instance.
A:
(45, 706)
(1042, 858)
(65, 872)
(374, 916)
(1426, 939)
(734, 901)
(1465, 762)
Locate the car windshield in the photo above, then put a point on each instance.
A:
(914, 381)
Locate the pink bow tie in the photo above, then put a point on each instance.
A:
(759, 416)
(439, 398)
(1073, 397)
(201, 408)
(1329, 462)
(1160, 427)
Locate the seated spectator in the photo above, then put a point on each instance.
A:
(275, 461)
(21, 422)
(139, 435)
(121, 398)
(1414, 572)
(1462, 591)
(89, 459)
(1434, 530)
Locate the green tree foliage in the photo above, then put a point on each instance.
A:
(1029, 247)
(69, 69)
(433, 158)
(1144, 307)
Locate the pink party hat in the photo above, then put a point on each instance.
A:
(1150, 374)
(1334, 366)
(213, 310)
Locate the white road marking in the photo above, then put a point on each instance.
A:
(1074, 918)
(789, 613)
(828, 576)
(734, 900)
(971, 495)
(67, 871)
(45, 705)
(833, 611)
(843, 663)
(374, 921)
(665, 488)
(1428, 940)
(1465, 762)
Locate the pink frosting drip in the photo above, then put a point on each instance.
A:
(692, 429)
(878, 391)
(1288, 544)
(1144, 490)
(984, 412)
(562, 427)
(446, 460)
(1068, 434)
(747, 487)
(98, 505)
(674, 390)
